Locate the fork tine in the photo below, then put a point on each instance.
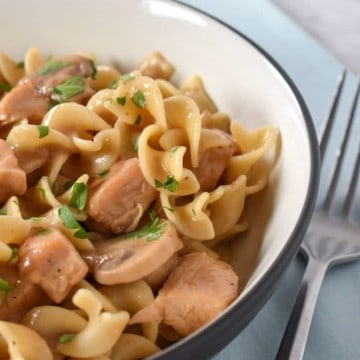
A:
(326, 131)
(352, 187)
(340, 153)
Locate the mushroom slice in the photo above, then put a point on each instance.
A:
(135, 255)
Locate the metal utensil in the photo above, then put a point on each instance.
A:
(330, 240)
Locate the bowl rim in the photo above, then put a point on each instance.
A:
(217, 335)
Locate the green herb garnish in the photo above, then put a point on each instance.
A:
(78, 196)
(20, 65)
(121, 100)
(43, 130)
(14, 253)
(5, 287)
(114, 84)
(136, 144)
(94, 69)
(126, 77)
(137, 120)
(70, 222)
(65, 338)
(69, 88)
(150, 232)
(138, 99)
(158, 183)
(170, 183)
(3, 211)
(68, 184)
(44, 232)
(173, 150)
(123, 78)
(5, 87)
(52, 66)
(103, 173)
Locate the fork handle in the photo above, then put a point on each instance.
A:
(293, 343)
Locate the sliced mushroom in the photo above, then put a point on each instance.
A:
(135, 255)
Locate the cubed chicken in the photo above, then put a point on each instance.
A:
(213, 161)
(32, 97)
(118, 201)
(197, 290)
(23, 295)
(50, 260)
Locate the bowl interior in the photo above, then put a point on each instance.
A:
(240, 79)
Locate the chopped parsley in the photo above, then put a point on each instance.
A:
(170, 183)
(173, 150)
(126, 77)
(103, 173)
(65, 338)
(136, 144)
(3, 211)
(168, 208)
(137, 120)
(138, 99)
(94, 69)
(158, 183)
(14, 253)
(121, 100)
(78, 196)
(20, 65)
(114, 84)
(5, 287)
(5, 87)
(150, 232)
(68, 184)
(44, 232)
(43, 130)
(70, 222)
(52, 66)
(123, 78)
(69, 88)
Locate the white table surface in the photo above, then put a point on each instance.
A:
(335, 333)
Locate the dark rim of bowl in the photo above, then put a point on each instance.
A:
(210, 340)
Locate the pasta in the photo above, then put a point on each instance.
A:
(116, 189)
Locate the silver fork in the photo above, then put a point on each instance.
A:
(330, 240)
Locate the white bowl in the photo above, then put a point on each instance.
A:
(243, 80)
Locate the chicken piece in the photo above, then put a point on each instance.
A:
(136, 255)
(12, 177)
(156, 66)
(50, 260)
(23, 101)
(118, 201)
(23, 296)
(198, 289)
(32, 96)
(213, 161)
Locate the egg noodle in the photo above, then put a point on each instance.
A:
(197, 165)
